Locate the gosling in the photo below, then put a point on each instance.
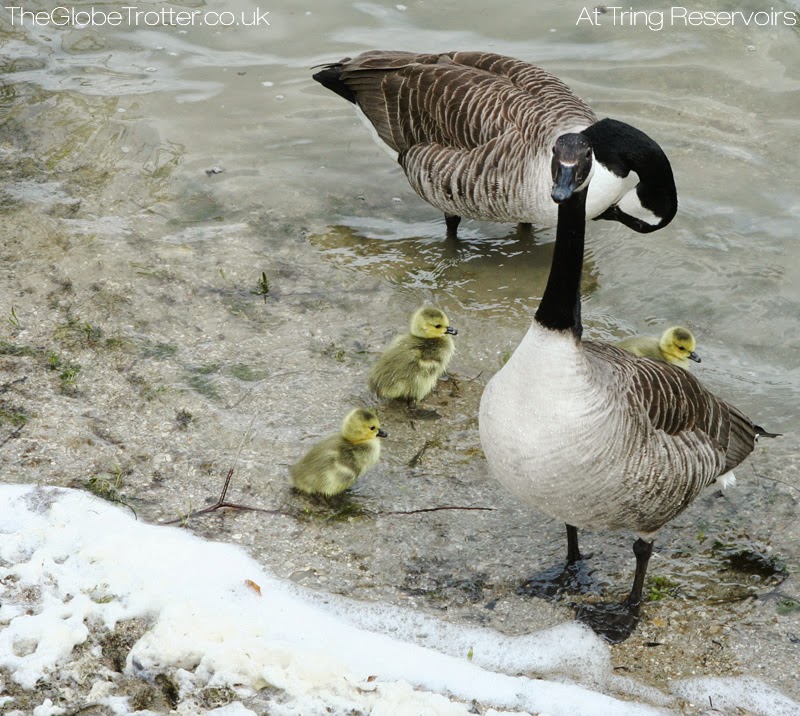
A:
(332, 465)
(411, 365)
(675, 346)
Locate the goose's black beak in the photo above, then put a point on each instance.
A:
(564, 182)
(382, 433)
(452, 331)
(696, 358)
(571, 166)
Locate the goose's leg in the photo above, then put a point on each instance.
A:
(524, 230)
(572, 578)
(420, 413)
(573, 553)
(642, 550)
(616, 622)
(452, 223)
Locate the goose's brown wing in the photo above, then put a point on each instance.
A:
(458, 100)
(676, 403)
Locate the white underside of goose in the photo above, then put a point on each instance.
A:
(531, 430)
(725, 481)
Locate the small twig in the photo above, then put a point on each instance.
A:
(418, 455)
(232, 505)
(435, 509)
(455, 382)
(773, 479)
(221, 502)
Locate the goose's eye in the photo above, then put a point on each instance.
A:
(372, 427)
(438, 325)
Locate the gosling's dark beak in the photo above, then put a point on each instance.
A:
(563, 182)
(452, 331)
(696, 358)
(382, 433)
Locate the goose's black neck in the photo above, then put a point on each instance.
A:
(560, 308)
(622, 149)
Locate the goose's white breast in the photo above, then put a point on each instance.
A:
(545, 430)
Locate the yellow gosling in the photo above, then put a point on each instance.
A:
(332, 465)
(675, 346)
(411, 365)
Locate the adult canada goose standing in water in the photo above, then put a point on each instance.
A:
(474, 132)
(593, 435)
(676, 345)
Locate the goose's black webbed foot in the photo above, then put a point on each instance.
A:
(561, 580)
(423, 414)
(616, 622)
(613, 621)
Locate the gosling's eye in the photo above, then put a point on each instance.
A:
(438, 325)
(372, 427)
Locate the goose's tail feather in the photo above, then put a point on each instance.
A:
(329, 77)
(761, 433)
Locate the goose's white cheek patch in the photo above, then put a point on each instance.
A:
(606, 188)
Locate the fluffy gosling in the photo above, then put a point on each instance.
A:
(675, 346)
(411, 365)
(332, 465)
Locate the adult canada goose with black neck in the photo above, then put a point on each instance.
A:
(474, 132)
(591, 434)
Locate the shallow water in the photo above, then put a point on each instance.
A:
(132, 267)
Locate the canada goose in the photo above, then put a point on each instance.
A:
(474, 131)
(336, 462)
(413, 362)
(675, 346)
(589, 433)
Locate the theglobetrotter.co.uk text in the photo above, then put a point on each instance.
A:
(132, 16)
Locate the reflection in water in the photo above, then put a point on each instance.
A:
(495, 277)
